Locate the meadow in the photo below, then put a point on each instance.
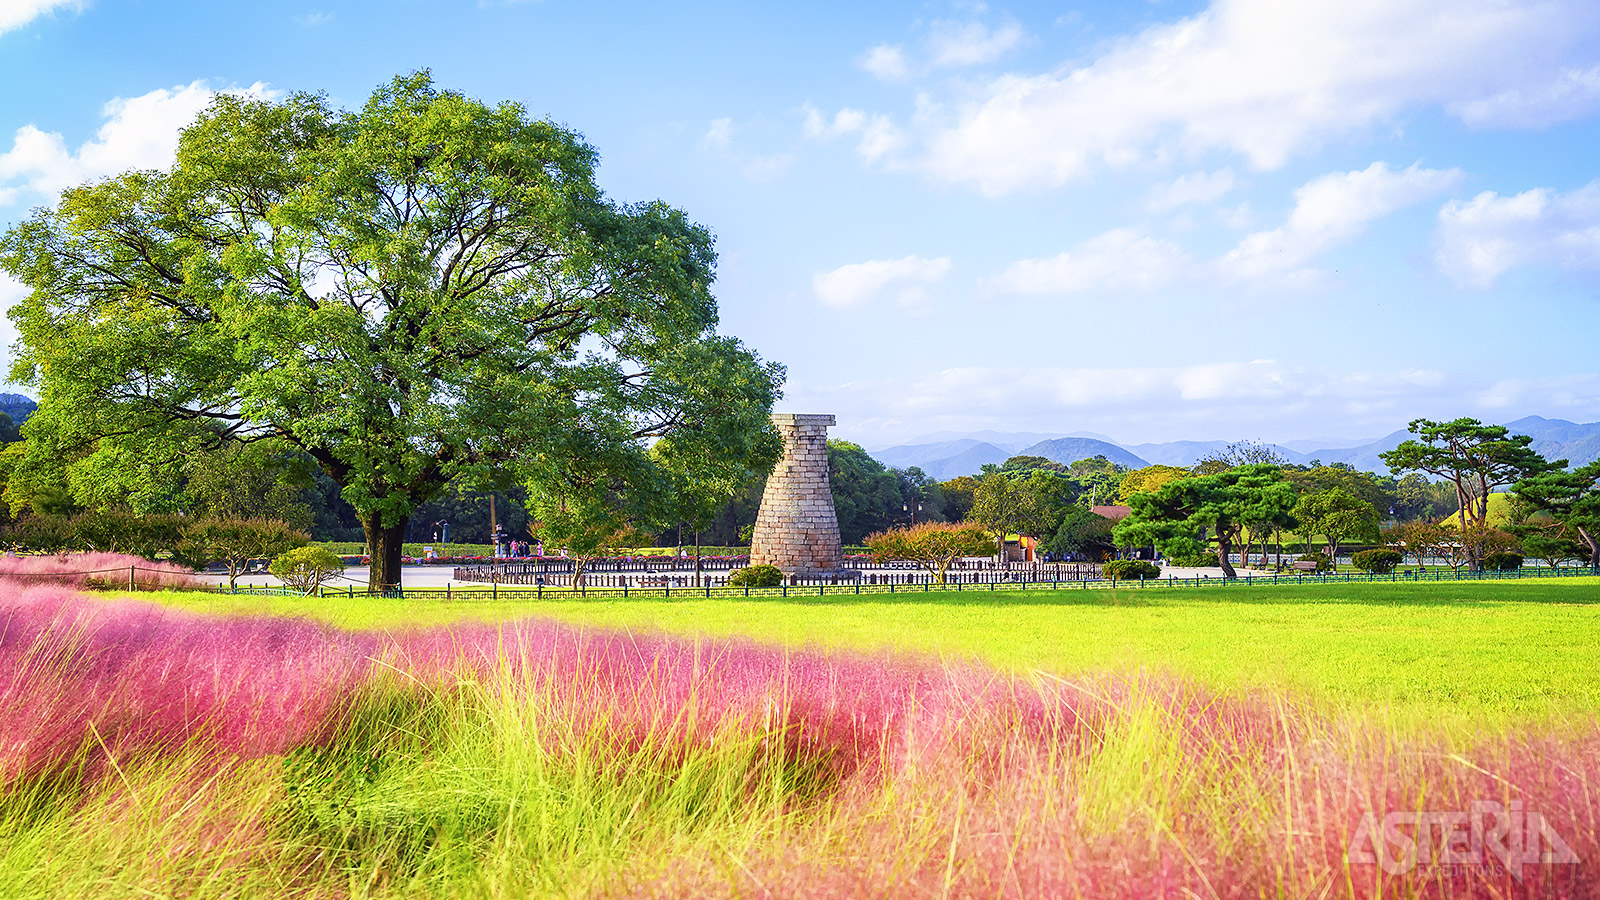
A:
(1114, 744)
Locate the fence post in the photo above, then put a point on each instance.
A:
(130, 578)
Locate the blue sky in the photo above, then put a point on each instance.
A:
(1243, 219)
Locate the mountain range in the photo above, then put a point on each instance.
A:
(949, 454)
(17, 406)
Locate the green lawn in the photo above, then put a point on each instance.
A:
(1452, 653)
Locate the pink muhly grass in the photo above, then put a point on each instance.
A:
(910, 776)
(111, 569)
(86, 679)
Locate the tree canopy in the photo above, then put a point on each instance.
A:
(1184, 516)
(1475, 457)
(932, 545)
(1571, 498)
(426, 288)
(1337, 515)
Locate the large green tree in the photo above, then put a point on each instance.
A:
(426, 288)
(1184, 516)
(1475, 457)
(1571, 498)
(1337, 515)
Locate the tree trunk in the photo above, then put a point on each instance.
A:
(384, 545)
(1593, 541)
(1224, 547)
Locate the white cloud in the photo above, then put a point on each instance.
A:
(754, 167)
(11, 292)
(970, 43)
(16, 13)
(1266, 80)
(948, 44)
(1118, 259)
(313, 19)
(845, 121)
(1572, 93)
(1481, 239)
(719, 134)
(886, 61)
(1196, 187)
(857, 284)
(879, 139)
(139, 133)
(1330, 210)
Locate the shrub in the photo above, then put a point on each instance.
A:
(1324, 564)
(1380, 560)
(1119, 569)
(44, 534)
(1194, 560)
(235, 542)
(757, 576)
(306, 568)
(932, 545)
(1504, 561)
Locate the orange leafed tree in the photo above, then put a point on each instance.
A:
(932, 545)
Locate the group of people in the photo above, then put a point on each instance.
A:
(516, 549)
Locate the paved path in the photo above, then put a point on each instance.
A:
(439, 576)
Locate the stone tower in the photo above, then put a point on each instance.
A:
(797, 529)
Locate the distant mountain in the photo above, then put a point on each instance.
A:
(968, 462)
(1364, 457)
(17, 406)
(907, 455)
(1307, 445)
(1187, 453)
(1554, 439)
(1069, 450)
(1009, 441)
(957, 453)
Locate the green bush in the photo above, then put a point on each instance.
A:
(1324, 564)
(757, 576)
(1194, 560)
(1120, 569)
(1503, 562)
(1379, 560)
(306, 568)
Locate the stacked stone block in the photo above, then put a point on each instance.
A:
(797, 529)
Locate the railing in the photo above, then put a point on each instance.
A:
(898, 583)
(898, 573)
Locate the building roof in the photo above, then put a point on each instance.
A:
(1114, 513)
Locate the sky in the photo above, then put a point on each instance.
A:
(1244, 219)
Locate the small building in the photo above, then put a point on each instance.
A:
(1116, 514)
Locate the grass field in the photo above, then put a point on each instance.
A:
(1449, 653)
(1098, 744)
